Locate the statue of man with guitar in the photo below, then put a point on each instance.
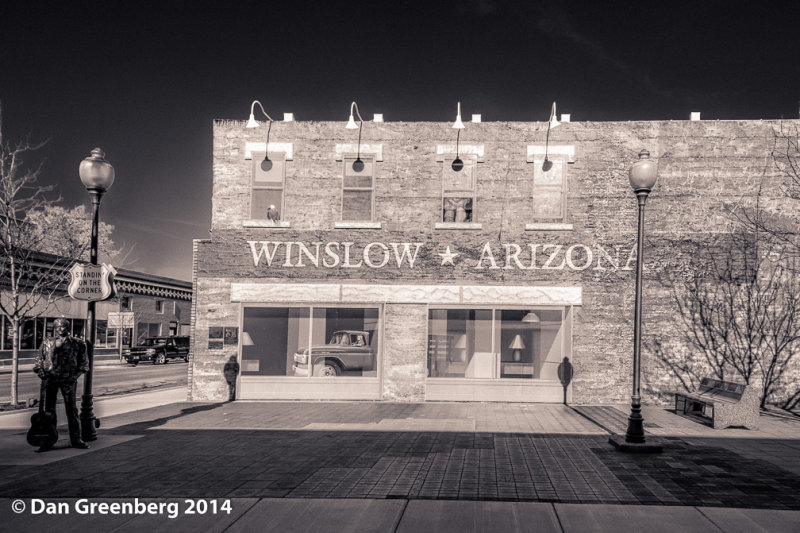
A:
(61, 360)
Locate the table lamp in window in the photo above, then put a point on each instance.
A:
(517, 345)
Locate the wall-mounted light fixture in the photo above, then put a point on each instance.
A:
(266, 164)
(358, 164)
(458, 164)
(551, 123)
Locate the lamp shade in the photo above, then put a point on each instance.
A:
(643, 173)
(247, 340)
(517, 343)
(96, 173)
(531, 317)
(251, 122)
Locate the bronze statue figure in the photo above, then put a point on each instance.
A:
(59, 363)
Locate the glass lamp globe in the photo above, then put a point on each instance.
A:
(96, 173)
(643, 173)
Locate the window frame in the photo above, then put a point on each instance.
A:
(470, 165)
(566, 340)
(278, 158)
(347, 161)
(559, 161)
(378, 337)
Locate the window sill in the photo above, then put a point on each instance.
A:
(548, 226)
(459, 225)
(357, 225)
(266, 224)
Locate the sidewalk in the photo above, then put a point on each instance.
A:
(364, 466)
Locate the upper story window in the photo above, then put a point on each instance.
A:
(458, 189)
(159, 306)
(269, 176)
(549, 192)
(358, 189)
(125, 302)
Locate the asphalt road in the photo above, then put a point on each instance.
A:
(108, 379)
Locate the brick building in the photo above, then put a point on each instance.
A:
(494, 283)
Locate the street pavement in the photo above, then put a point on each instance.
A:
(161, 463)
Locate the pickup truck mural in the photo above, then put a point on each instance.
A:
(347, 350)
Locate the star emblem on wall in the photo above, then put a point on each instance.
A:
(448, 256)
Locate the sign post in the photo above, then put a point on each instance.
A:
(120, 322)
(91, 283)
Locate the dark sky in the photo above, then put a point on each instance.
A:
(144, 80)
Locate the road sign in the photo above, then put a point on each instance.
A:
(120, 320)
(91, 283)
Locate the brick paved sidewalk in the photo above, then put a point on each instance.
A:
(375, 450)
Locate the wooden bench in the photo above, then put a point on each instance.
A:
(723, 402)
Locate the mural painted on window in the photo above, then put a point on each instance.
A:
(495, 343)
(310, 342)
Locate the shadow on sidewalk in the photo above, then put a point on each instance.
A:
(150, 423)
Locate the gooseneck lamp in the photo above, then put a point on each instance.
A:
(358, 164)
(458, 164)
(551, 123)
(97, 175)
(642, 176)
(266, 164)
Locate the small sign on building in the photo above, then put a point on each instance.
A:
(92, 283)
(120, 320)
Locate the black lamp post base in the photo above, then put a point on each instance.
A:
(622, 445)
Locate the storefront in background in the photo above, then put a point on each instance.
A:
(404, 279)
(156, 305)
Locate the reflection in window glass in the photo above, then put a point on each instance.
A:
(306, 342)
(482, 343)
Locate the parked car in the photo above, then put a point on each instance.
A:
(347, 350)
(158, 350)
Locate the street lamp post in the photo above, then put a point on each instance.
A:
(97, 176)
(643, 175)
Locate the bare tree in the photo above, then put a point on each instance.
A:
(30, 279)
(739, 305)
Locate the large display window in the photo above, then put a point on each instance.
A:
(495, 343)
(310, 341)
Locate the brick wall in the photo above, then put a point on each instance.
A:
(706, 169)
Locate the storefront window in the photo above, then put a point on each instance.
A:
(7, 333)
(147, 329)
(78, 327)
(102, 329)
(502, 343)
(26, 340)
(308, 342)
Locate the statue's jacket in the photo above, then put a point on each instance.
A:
(63, 359)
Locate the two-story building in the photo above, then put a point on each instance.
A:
(407, 278)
